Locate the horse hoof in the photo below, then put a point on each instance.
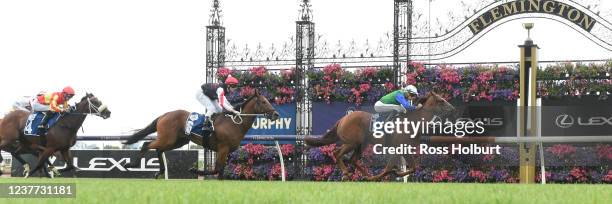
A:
(193, 170)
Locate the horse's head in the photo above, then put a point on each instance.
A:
(262, 106)
(437, 105)
(92, 105)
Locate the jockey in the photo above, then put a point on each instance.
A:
(398, 101)
(213, 97)
(24, 103)
(52, 103)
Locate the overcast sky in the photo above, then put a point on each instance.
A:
(146, 57)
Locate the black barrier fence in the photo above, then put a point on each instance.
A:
(110, 164)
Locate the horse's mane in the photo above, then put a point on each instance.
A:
(422, 100)
(243, 103)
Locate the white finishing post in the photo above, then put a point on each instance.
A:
(165, 166)
(541, 146)
(404, 169)
(282, 163)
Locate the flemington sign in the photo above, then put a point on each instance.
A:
(551, 7)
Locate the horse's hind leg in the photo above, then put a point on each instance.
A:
(388, 169)
(42, 160)
(338, 155)
(355, 161)
(26, 166)
(143, 151)
(162, 167)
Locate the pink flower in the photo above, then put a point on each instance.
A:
(247, 91)
(608, 177)
(287, 73)
(439, 176)
(604, 151)
(323, 172)
(258, 71)
(449, 75)
(418, 67)
(562, 150)
(222, 72)
(389, 86)
(578, 174)
(287, 149)
(254, 149)
(411, 78)
(367, 72)
(328, 150)
(478, 175)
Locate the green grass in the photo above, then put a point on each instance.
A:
(191, 191)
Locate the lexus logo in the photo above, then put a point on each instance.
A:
(564, 121)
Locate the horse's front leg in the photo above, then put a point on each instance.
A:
(220, 163)
(68, 159)
(222, 155)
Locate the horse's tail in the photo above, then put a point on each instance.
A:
(330, 137)
(142, 133)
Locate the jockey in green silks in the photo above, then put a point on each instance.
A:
(402, 100)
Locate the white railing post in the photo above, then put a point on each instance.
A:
(165, 166)
(541, 146)
(282, 163)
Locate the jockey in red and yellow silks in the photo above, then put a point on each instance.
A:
(52, 102)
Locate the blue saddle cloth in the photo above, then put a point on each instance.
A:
(35, 118)
(194, 124)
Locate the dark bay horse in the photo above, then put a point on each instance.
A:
(60, 137)
(229, 132)
(10, 143)
(353, 132)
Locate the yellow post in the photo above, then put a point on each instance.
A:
(527, 108)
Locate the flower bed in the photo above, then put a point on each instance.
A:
(564, 164)
(468, 83)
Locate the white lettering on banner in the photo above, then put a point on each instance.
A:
(109, 164)
(264, 123)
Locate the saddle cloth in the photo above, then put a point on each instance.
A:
(35, 118)
(194, 124)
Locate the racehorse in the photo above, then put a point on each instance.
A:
(10, 144)
(353, 132)
(60, 137)
(228, 133)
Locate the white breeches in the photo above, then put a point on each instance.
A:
(36, 106)
(380, 107)
(211, 106)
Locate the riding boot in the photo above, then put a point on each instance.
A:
(207, 127)
(42, 127)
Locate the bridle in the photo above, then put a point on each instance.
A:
(93, 109)
(237, 119)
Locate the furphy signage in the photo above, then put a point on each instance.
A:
(551, 7)
(285, 125)
(111, 164)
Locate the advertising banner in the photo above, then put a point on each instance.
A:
(110, 164)
(285, 125)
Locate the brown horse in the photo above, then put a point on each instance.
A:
(229, 132)
(60, 137)
(353, 131)
(9, 143)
